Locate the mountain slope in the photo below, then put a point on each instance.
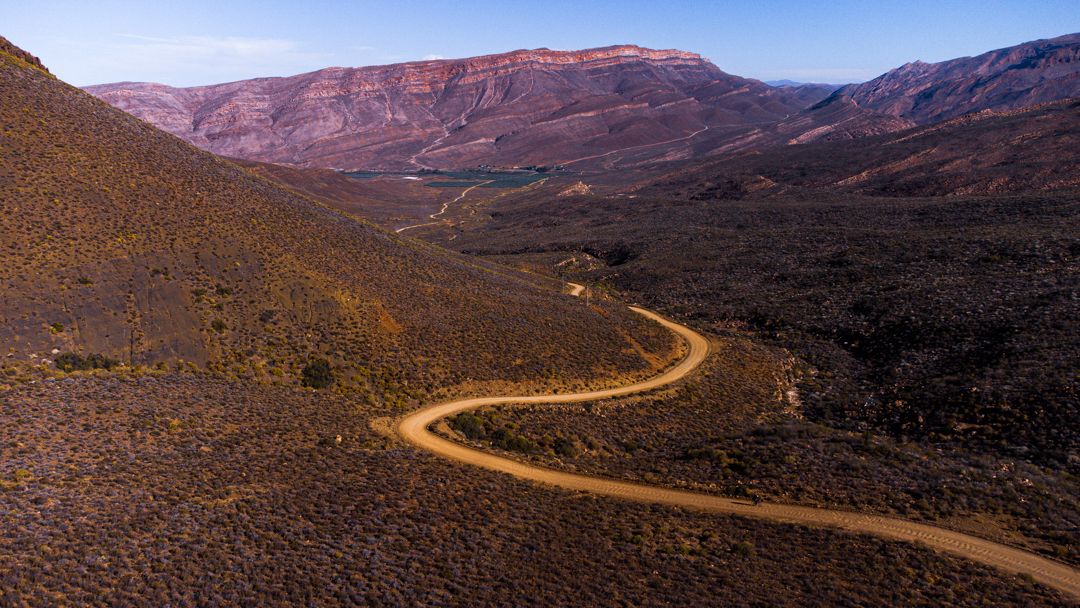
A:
(983, 153)
(122, 240)
(517, 108)
(1023, 75)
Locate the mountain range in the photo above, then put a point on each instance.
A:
(1005, 79)
(605, 107)
(518, 108)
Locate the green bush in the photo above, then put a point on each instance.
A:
(743, 549)
(70, 362)
(317, 374)
(469, 424)
(512, 442)
(566, 448)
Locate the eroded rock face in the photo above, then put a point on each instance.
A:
(518, 108)
(1028, 74)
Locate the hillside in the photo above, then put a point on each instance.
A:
(123, 241)
(987, 152)
(1005, 79)
(390, 200)
(522, 108)
(178, 491)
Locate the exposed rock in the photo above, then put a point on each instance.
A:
(577, 189)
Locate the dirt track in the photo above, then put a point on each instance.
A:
(434, 216)
(414, 428)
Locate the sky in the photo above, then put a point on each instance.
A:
(193, 42)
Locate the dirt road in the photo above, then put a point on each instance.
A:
(435, 216)
(414, 428)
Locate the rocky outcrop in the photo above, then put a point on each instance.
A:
(577, 189)
(520, 108)
(18, 54)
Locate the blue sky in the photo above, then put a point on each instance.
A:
(190, 42)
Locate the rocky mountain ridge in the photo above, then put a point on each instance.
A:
(518, 108)
(1004, 79)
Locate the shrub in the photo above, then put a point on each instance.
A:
(317, 374)
(469, 424)
(219, 326)
(512, 442)
(705, 453)
(567, 448)
(69, 362)
(743, 549)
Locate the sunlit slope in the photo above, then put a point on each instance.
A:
(119, 239)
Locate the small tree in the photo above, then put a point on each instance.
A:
(317, 374)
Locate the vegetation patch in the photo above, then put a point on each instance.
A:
(70, 362)
(317, 374)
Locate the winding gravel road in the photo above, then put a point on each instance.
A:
(414, 429)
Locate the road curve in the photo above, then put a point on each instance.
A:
(414, 429)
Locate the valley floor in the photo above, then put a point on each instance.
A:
(189, 490)
(415, 429)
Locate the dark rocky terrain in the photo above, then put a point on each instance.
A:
(740, 428)
(952, 320)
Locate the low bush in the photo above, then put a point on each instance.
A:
(70, 362)
(317, 374)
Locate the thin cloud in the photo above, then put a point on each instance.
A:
(187, 47)
(432, 57)
(187, 60)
